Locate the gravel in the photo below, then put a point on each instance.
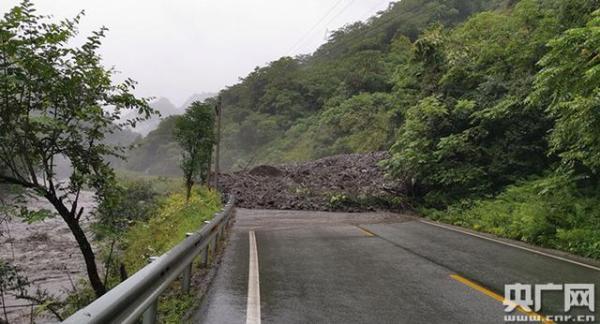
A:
(334, 183)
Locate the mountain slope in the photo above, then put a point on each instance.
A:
(317, 105)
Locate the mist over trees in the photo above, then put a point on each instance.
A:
(468, 96)
(53, 100)
(488, 109)
(466, 69)
(343, 98)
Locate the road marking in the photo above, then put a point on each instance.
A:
(253, 306)
(497, 297)
(366, 231)
(589, 266)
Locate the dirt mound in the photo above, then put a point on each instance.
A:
(348, 182)
(266, 171)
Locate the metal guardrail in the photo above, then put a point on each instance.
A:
(138, 295)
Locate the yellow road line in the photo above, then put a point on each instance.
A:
(454, 229)
(366, 231)
(497, 297)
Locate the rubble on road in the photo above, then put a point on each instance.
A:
(347, 182)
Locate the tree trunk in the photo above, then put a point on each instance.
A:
(82, 241)
(123, 272)
(208, 176)
(88, 255)
(218, 143)
(188, 189)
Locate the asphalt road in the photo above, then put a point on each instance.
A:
(314, 267)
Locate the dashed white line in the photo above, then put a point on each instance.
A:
(253, 306)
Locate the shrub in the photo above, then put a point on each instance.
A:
(167, 227)
(551, 211)
(123, 205)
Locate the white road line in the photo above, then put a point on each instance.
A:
(253, 306)
(589, 266)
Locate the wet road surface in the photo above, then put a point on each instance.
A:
(316, 267)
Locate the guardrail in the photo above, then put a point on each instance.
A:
(138, 295)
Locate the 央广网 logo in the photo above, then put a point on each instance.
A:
(529, 298)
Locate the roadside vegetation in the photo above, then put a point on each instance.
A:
(488, 109)
(506, 140)
(52, 108)
(547, 211)
(175, 217)
(195, 134)
(474, 100)
(168, 225)
(55, 112)
(139, 222)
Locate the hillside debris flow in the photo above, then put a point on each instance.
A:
(347, 182)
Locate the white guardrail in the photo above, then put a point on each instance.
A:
(138, 295)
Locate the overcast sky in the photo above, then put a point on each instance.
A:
(179, 47)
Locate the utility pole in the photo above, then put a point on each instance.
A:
(218, 112)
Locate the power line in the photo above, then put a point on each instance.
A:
(341, 12)
(360, 33)
(369, 12)
(301, 40)
(370, 30)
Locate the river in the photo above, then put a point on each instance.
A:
(46, 254)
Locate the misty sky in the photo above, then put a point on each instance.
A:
(180, 47)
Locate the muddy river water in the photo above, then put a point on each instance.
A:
(46, 254)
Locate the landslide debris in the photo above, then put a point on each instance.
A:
(347, 182)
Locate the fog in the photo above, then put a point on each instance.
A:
(177, 48)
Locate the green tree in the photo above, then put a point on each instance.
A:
(569, 84)
(195, 133)
(53, 101)
(476, 132)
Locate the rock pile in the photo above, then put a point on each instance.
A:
(332, 183)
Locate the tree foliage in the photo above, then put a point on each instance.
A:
(271, 113)
(478, 130)
(468, 96)
(453, 87)
(54, 102)
(195, 133)
(569, 83)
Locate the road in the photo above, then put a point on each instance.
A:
(316, 267)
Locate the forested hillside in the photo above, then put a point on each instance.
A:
(157, 153)
(473, 99)
(489, 110)
(349, 96)
(341, 99)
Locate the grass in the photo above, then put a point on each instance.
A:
(160, 184)
(551, 212)
(167, 227)
(172, 308)
(339, 201)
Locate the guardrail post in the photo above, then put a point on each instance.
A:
(187, 273)
(149, 316)
(223, 228)
(213, 246)
(205, 257)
